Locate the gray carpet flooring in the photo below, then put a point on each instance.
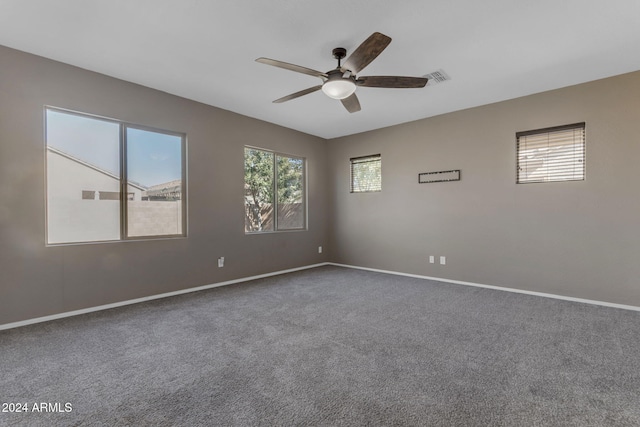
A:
(330, 347)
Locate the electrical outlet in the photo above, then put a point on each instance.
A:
(319, 249)
(221, 262)
(432, 259)
(443, 260)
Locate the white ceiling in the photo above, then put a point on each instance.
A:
(205, 50)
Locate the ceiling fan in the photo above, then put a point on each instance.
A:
(341, 82)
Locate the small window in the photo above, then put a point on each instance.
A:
(109, 180)
(90, 195)
(109, 195)
(551, 154)
(274, 191)
(366, 174)
(104, 195)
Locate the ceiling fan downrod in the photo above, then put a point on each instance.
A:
(339, 53)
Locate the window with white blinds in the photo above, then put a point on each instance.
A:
(366, 174)
(551, 154)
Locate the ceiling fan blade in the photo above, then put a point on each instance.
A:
(351, 103)
(366, 52)
(297, 94)
(396, 82)
(292, 67)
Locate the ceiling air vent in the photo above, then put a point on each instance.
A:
(436, 77)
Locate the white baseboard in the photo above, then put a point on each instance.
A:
(497, 288)
(276, 273)
(149, 298)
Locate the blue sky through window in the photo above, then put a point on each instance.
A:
(153, 158)
(91, 140)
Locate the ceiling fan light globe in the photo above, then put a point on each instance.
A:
(339, 88)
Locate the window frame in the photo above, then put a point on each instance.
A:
(123, 184)
(124, 224)
(583, 158)
(305, 201)
(360, 159)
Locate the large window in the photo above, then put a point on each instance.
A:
(108, 180)
(274, 191)
(366, 174)
(551, 154)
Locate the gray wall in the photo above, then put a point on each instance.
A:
(579, 239)
(36, 280)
